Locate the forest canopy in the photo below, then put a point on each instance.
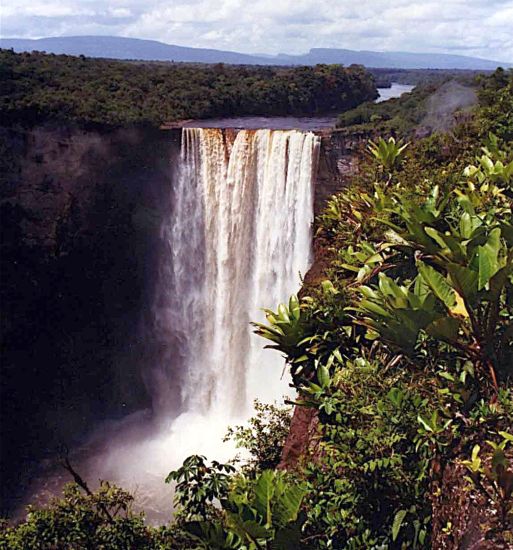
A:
(36, 86)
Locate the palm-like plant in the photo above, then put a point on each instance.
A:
(285, 327)
(463, 291)
(389, 153)
(257, 514)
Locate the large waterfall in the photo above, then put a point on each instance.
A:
(236, 238)
(239, 236)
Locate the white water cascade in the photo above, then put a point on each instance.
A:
(237, 239)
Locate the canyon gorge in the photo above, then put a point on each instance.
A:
(137, 259)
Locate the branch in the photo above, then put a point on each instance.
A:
(66, 464)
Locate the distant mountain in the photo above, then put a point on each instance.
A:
(128, 48)
(152, 50)
(391, 60)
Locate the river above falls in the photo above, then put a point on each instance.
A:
(396, 90)
(288, 122)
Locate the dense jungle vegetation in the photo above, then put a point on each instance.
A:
(401, 348)
(37, 86)
(397, 115)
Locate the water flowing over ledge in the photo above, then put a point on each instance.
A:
(239, 237)
(236, 238)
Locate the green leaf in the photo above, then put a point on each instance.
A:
(288, 503)
(437, 237)
(438, 284)
(294, 308)
(468, 223)
(283, 313)
(248, 528)
(464, 279)
(264, 489)
(425, 423)
(445, 329)
(500, 280)
(328, 288)
(487, 257)
(397, 523)
(323, 376)
(374, 308)
(506, 436)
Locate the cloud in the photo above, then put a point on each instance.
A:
(471, 27)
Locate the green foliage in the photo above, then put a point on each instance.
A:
(286, 327)
(496, 99)
(398, 115)
(369, 467)
(493, 476)
(294, 330)
(389, 154)
(36, 86)
(263, 436)
(459, 289)
(199, 485)
(102, 520)
(268, 509)
(396, 347)
(419, 276)
(256, 513)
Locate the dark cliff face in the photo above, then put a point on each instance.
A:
(339, 161)
(80, 217)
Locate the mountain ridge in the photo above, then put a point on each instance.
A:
(115, 47)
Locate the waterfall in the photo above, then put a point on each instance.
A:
(238, 238)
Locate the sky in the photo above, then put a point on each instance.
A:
(481, 28)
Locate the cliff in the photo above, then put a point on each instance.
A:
(80, 212)
(81, 209)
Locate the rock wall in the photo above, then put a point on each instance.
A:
(80, 213)
(338, 163)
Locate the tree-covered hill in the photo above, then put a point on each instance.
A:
(37, 86)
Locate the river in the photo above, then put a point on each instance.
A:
(290, 123)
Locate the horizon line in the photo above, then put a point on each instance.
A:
(270, 56)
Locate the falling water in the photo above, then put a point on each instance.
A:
(238, 240)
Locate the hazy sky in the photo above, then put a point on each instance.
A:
(470, 27)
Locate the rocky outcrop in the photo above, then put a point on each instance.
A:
(464, 517)
(301, 436)
(338, 162)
